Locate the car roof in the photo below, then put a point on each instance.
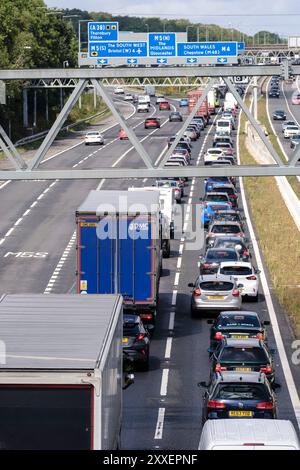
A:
(218, 193)
(249, 342)
(233, 313)
(215, 277)
(242, 264)
(225, 185)
(240, 377)
(130, 318)
(224, 222)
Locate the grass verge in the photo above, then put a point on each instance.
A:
(277, 233)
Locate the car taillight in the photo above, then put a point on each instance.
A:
(235, 293)
(140, 337)
(206, 265)
(251, 278)
(219, 336)
(234, 196)
(260, 336)
(197, 292)
(246, 253)
(219, 368)
(146, 316)
(214, 404)
(268, 405)
(176, 190)
(266, 370)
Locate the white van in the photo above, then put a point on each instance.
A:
(224, 125)
(144, 99)
(248, 434)
(230, 102)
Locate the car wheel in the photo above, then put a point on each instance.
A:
(193, 313)
(144, 366)
(255, 299)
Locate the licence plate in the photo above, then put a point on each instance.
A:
(243, 369)
(241, 414)
(240, 336)
(125, 340)
(216, 297)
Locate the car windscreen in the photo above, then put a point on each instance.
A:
(217, 179)
(225, 229)
(244, 354)
(214, 152)
(225, 255)
(222, 189)
(240, 391)
(238, 320)
(223, 124)
(216, 286)
(236, 271)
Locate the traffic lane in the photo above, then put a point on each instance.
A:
(16, 197)
(191, 363)
(47, 229)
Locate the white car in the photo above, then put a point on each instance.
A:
(246, 277)
(213, 154)
(119, 91)
(128, 97)
(160, 99)
(94, 137)
(143, 108)
(290, 131)
(288, 123)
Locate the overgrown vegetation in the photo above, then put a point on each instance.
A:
(277, 234)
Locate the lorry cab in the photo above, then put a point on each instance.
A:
(248, 434)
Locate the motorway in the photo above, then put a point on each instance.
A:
(162, 410)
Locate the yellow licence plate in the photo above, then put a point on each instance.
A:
(243, 369)
(216, 297)
(239, 336)
(240, 414)
(125, 340)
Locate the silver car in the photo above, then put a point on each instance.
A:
(215, 292)
(221, 229)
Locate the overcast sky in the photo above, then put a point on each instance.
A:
(194, 10)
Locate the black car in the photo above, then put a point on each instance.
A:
(279, 116)
(210, 262)
(175, 117)
(274, 93)
(136, 340)
(238, 395)
(228, 216)
(295, 141)
(237, 243)
(237, 325)
(243, 355)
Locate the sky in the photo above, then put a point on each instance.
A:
(286, 23)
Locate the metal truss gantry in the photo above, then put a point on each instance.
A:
(94, 78)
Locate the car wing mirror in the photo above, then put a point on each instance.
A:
(191, 284)
(273, 351)
(129, 380)
(202, 384)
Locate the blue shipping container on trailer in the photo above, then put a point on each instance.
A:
(119, 247)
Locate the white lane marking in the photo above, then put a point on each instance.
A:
(61, 262)
(172, 321)
(179, 261)
(33, 204)
(292, 390)
(164, 382)
(160, 424)
(18, 221)
(185, 226)
(181, 246)
(176, 280)
(5, 184)
(174, 297)
(168, 348)
(40, 197)
(1, 241)
(26, 212)
(9, 232)
(190, 200)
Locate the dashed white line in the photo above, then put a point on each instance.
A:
(179, 261)
(174, 297)
(1, 241)
(176, 280)
(160, 423)
(168, 348)
(18, 221)
(164, 382)
(26, 212)
(172, 321)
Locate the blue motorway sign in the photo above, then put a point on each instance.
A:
(103, 31)
(118, 49)
(162, 44)
(241, 46)
(207, 49)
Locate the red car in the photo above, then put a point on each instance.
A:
(122, 135)
(164, 105)
(296, 99)
(152, 122)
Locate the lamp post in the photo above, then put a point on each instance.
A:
(187, 31)
(147, 26)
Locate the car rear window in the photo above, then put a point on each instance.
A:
(216, 286)
(244, 355)
(225, 229)
(236, 321)
(131, 329)
(223, 124)
(217, 197)
(236, 271)
(241, 392)
(228, 217)
(228, 255)
(222, 189)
